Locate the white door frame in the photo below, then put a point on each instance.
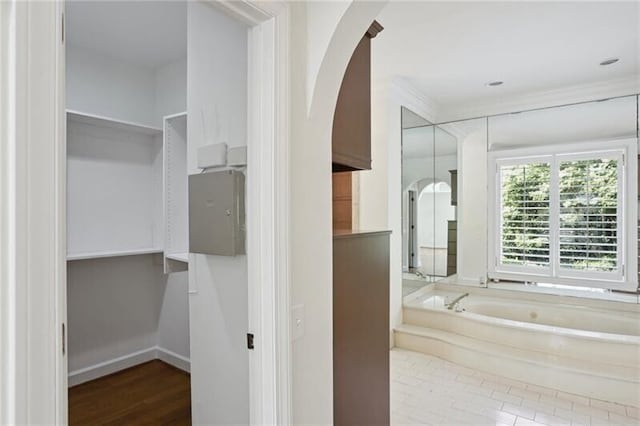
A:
(33, 366)
(268, 202)
(32, 203)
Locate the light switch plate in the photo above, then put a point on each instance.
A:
(297, 322)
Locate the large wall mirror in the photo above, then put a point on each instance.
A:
(544, 196)
(429, 202)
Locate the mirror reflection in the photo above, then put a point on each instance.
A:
(430, 200)
(477, 198)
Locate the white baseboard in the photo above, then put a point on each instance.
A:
(114, 365)
(181, 362)
(111, 366)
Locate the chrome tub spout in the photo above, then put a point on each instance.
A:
(455, 301)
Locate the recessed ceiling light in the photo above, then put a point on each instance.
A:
(609, 61)
(494, 83)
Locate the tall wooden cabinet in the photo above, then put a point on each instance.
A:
(361, 328)
(360, 262)
(351, 137)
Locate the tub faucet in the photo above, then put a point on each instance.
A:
(455, 301)
(420, 274)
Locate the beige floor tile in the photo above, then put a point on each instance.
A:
(427, 390)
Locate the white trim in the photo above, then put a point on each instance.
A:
(10, 403)
(251, 12)
(414, 100)
(123, 362)
(566, 95)
(268, 199)
(33, 237)
(627, 211)
(179, 361)
(111, 366)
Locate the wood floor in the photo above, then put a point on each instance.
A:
(150, 393)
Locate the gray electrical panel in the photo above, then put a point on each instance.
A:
(216, 213)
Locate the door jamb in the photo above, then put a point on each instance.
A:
(268, 200)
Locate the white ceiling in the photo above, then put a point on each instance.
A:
(145, 33)
(448, 51)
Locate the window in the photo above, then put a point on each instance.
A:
(560, 216)
(589, 213)
(524, 230)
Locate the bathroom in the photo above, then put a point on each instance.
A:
(514, 214)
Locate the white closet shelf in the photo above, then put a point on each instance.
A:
(182, 257)
(113, 253)
(177, 115)
(81, 117)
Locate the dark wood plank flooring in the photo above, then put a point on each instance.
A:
(150, 393)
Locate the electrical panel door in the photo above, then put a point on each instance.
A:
(216, 213)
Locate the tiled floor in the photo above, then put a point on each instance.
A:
(429, 390)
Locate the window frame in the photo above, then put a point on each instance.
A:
(626, 275)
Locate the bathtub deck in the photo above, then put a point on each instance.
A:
(429, 390)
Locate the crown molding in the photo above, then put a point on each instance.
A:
(415, 100)
(578, 93)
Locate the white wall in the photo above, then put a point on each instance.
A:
(218, 299)
(108, 87)
(472, 215)
(103, 86)
(322, 19)
(312, 393)
(113, 305)
(173, 322)
(434, 210)
(170, 89)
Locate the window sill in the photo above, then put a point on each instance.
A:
(596, 294)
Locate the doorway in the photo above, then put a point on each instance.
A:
(33, 75)
(139, 106)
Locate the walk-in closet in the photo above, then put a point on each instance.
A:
(140, 76)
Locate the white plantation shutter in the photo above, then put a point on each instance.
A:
(560, 217)
(524, 230)
(590, 214)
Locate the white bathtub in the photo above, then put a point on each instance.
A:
(561, 318)
(590, 348)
